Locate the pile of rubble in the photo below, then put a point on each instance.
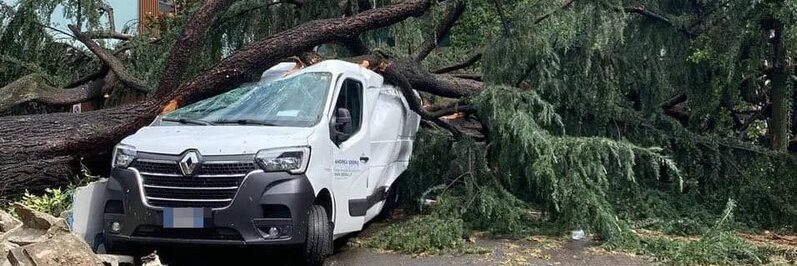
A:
(38, 239)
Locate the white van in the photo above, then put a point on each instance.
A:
(300, 157)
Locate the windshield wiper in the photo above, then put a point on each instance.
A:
(188, 121)
(245, 122)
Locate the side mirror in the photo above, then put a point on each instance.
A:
(341, 127)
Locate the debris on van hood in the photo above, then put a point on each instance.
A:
(38, 238)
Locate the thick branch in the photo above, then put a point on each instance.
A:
(189, 44)
(443, 85)
(442, 30)
(34, 88)
(108, 35)
(114, 63)
(454, 110)
(438, 84)
(438, 107)
(395, 76)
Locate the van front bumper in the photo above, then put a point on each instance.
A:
(263, 201)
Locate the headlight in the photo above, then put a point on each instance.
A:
(293, 160)
(123, 155)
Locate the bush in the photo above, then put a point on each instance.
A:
(54, 201)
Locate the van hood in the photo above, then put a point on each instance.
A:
(216, 140)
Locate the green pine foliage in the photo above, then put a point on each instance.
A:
(421, 234)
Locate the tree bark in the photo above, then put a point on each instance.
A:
(34, 88)
(779, 133)
(190, 42)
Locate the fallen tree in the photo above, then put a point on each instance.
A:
(598, 131)
(39, 151)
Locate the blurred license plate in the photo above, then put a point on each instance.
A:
(187, 218)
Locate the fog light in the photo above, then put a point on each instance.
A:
(273, 233)
(116, 227)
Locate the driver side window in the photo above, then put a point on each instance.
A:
(350, 97)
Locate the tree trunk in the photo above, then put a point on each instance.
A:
(779, 131)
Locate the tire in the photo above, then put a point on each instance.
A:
(318, 245)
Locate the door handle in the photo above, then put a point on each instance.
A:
(364, 159)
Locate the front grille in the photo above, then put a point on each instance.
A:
(188, 233)
(208, 168)
(156, 167)
(213, 186)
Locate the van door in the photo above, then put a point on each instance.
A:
(350, 159)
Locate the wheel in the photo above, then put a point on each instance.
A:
(318, 245)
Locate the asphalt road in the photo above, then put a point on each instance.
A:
(499, 252)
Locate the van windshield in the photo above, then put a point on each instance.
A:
(295, 102)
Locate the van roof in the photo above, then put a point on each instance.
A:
(336, 67)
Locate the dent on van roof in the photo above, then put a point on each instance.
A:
(335, 67)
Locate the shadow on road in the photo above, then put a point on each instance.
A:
(226, 255)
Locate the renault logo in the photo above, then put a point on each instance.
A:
(189, 163)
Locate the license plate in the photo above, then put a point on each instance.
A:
(187, 218)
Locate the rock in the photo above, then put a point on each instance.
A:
(40, 239)
(23, 236)
(116, 260)
(4, 252)
(17, 257)
(38, 220)
(8, 222)
(62, 249)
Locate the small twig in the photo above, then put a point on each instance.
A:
(471, 60)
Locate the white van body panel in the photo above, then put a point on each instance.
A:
(366, 164)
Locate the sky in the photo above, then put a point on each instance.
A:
(124, 11)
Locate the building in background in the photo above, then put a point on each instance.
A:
(149, 10)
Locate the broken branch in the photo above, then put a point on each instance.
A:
(114, 63)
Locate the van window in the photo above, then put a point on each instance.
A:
(350, 97)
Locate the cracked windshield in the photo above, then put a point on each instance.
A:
(295, 101)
